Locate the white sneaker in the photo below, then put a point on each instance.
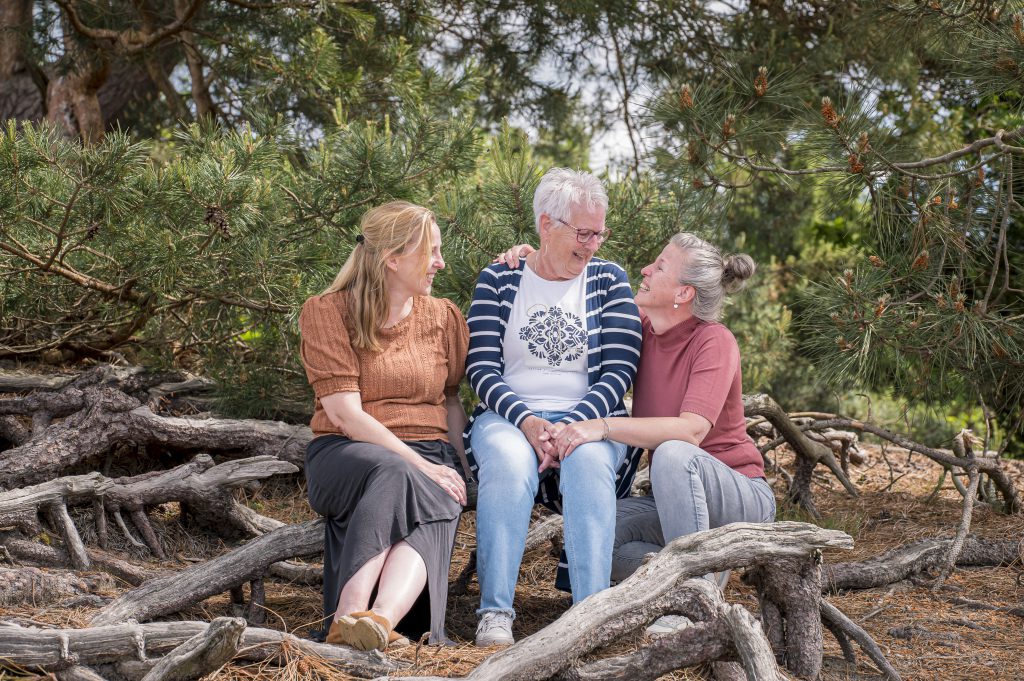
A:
(495, 629)
(667, 624)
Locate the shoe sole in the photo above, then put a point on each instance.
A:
(361, 634)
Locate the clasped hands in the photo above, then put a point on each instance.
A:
(553, 442)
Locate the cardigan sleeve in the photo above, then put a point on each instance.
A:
(484, 361)
(620, 341)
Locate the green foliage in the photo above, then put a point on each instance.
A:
(889, 260)
(920, 299)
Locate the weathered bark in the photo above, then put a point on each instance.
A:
(297, 573)
(61, 395)
(202, 488)
(650, 592)
(79, 673)
(111, 417)
(989, 465)
(32, 586)
(751, 645)
(38, 554)
(19, 381)
(180, 590)
(205, 107)
(918, 557)
(73, 543)
(26, 502)
(793, 586)
(835, 618)
(728, 632)
(543, 532)
(19, 92)
(809, 451)
(978, 605)
(199, 485)
(59, 648)
(12, 430)
(205, 652)
(693, 645)
(963, 448)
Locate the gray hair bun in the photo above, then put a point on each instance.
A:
(739, 267)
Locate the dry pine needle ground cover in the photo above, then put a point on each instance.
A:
(923, 634)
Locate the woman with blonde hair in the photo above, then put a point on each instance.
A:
(385, 360)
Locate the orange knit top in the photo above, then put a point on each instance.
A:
(403, 386)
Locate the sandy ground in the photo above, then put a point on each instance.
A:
(896, 506)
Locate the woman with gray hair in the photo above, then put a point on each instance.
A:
(687, 408)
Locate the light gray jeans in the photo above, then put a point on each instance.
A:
(693, 491)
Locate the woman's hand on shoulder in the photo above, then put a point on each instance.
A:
(512, 256)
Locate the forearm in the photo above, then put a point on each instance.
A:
(650, 432)
(456, 423)
(360, 426)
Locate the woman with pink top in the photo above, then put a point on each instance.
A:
(687, 408)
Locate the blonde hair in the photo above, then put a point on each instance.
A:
(711, 275)
(388, 230)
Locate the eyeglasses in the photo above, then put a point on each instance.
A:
(585, 235)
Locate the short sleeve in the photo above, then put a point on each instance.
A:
(711, 375)
(327, 355)
(457, 338)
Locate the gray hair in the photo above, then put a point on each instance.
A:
(562, 189)
(711, 275)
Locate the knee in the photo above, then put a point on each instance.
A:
(595, 460)
(675, 456)
(508, 465)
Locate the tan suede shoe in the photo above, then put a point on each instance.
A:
(360, 631)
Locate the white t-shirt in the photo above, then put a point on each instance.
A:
(545, 343)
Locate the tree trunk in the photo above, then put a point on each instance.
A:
(793, 587)
(20, 93)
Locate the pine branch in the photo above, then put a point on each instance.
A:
(127, 42)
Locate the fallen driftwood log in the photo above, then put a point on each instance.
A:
(248, 563)
(34, 553)
(199, 485)
(205, 652)
(55, 649)
(108, 417)
(726, 632)
(919, 557)
(657, 588)
(32, 586)
(809, 451)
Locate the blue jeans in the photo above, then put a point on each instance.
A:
(508, 482)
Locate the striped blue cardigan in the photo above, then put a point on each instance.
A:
(613, 352)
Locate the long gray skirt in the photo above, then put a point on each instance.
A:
(372, 499)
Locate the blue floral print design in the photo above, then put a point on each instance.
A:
(554, 335)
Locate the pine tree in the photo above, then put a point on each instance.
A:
(931, 306)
